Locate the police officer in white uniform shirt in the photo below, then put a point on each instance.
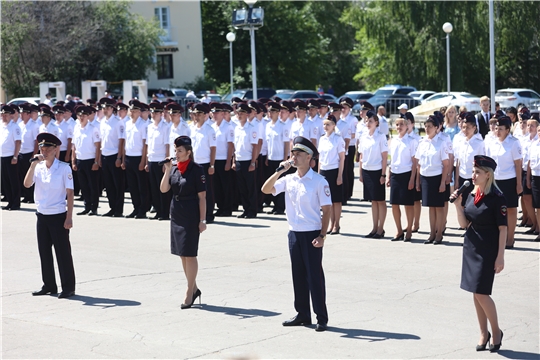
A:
(66, 132)
(350, 151)
(277, 139)
(157, 149)
(383, 127)
(49, 126)
(303, 127)
(178, 126)
(306, 194)
(86, 159)
(54, 204)
(112, 132)
(246, 142)
(203, 141)
(29, 133)
(11, 145)
(134, 161)
(224, 153)
(313, 116)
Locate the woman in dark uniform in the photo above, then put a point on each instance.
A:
(188, 211)
(485, 218)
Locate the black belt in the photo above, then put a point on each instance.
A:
(180, 198)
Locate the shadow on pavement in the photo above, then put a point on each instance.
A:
(103, 302)
(241, 313)
(240, 225)
(371, 335)
(510, 354)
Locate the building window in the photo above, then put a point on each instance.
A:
(162, 16)
(164, 66)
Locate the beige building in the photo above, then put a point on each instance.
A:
(179, 59)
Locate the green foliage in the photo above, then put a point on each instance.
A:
(98, 40)
(403, 42)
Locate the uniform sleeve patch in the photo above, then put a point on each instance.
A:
(203, 179)
(254, 135)
(70, 176)
(503, 210)
(327, 190)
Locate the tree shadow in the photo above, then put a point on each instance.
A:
(104, 303)
(510, 354)
(240, 225)
(239, 312)
(371, 335)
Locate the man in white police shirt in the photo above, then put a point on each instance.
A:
(54, 202)
(306, 193)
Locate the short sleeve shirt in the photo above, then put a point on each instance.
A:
(202, 139)
(135, 137)
(430, 154)
(29, 133)
(84, 140)
(51, 184)
(372, 147)
(304, 197)
(224, 136)
(244, 139)
(329, 148)
(11, 132)
(112, 130)
(505, 153)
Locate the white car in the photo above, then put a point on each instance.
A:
(22, 100)
(421, 95)
(470, 101)
(516, 97)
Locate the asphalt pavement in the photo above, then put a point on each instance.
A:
(385, 299)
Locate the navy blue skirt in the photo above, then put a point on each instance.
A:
(399, 189)
(336, 190)
(431, 197)
(508, 188)
(373, 189)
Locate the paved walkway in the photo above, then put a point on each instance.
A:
(385, 299)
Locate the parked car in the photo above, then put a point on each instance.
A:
(392, 102)
(421, 95)
(356, 96)
(213, 97)
(470, 101)
(179, 92)
(283, 90)
(388, 90)
(247, 94)
(298, 95)
(516, 97)
(22, 100)
(329, 97)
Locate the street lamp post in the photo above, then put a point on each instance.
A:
(447, 28)
(253, 61)
(230, 38)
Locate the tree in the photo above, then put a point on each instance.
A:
(301, 44)
(97, 40)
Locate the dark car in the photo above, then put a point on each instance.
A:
(299, 95)
(247, 94)
(392, 102)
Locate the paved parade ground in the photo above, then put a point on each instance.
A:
(385, 299)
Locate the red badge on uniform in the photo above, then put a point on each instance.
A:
(327, 190)
(503, 210)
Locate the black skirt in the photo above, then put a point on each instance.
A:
(417, 194)
(373, 189)
(526, 190)
(336, 190)
(185, 226)
(465, 194)
(399, 189)
(535, 189)
(508, 188)
(431, 197)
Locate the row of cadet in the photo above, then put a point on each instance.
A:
(113, 144)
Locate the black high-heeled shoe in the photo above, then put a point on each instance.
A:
(429, 241)
(371, 234)
(400, 237)
(483, 346)
(195, 296)
(335, 232)
(495, 348)
(379, 236)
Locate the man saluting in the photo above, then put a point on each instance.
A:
(306, 193)
(54, 184)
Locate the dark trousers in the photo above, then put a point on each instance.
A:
(88, 179)
(137, 181)
(210, 201)
(349, 172)
(222, 187)
(51, 232)
(260, 171)
(11, 183)
(279, 200)
(246, 187)
(160, 201)
(24, 165)
(308, 275)
(76, 186)
(113, 178)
